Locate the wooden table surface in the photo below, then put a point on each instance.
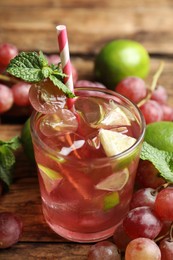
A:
(30, 25)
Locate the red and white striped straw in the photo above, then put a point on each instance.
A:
(65, 55)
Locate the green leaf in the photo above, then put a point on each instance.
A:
(61, 86)
(7, 158)
(26, 66)
(7, 161)
(14, 143)
(162, 160)
(42, 59)
(34, 67)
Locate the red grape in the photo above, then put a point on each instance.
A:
(152, 111)
(7, 52)
(121, 238)
(21, 93)
(166, 248)
(87, 83)
(142, 222)
(104, 250)
(6, 98)
(10, 229)
(160, 95)
(143, 197)
(133, 88)
(164, 204)
(141, 249)
(167, 113)
(148, 176)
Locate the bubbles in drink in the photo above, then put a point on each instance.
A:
(46, 97)
(64, 121)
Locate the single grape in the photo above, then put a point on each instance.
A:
(148, 176)
(121, 238)
(152, 111)
(166, 248)
(167, 113)
(21, 93)
(104, 250)
(7, 52)
(143, 197)
(88, 83)
(160, 95)
(142, 222)
(164, 204)
(133, 88)
(10, 229)
(6, 98)
(46, 98)
(165, 228)
(53, 59)
(141, 249)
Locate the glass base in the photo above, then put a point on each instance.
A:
(82, 237)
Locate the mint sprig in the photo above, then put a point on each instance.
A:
(7, 158)
(33, 67)
(162, 160)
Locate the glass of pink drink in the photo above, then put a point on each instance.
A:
(87, 159)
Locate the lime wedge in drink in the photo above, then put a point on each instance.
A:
(114, 142)
(116, 117)
(115, 181)
(50, 177)
(53, 175)
(111, 200)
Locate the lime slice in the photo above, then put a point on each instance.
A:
(111, 200)
(114, 142)
(116, 117)
(53, 175)
(115, 181)
(50, 177)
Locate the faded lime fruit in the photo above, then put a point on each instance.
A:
(27, 141)
(119, 59)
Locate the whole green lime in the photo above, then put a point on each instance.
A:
(119, 59)
(160, 135)
(27, 141)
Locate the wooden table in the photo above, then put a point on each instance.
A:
(30, 25)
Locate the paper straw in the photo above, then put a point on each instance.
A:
(65, 55)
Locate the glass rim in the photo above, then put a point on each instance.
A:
(125, 153)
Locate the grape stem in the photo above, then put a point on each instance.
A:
(153, 85)
(8, 79)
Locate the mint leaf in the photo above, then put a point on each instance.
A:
(42, 59)
(26, 66)
(162, 160)
(7, 158)
(13, 143)
(61, 86)
(34, 67)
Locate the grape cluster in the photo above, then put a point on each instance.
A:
(146, 231)
(155, 108)
(16, 94)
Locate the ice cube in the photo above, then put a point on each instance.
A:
(64, 121)
(46, 97)
(90, 109)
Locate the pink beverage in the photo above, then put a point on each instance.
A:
(87, 159)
